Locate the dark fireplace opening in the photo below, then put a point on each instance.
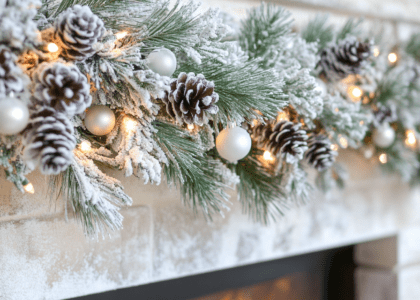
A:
(320, 275)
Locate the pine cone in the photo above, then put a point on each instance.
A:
(384, 114)
(320, 155)
(190, 97)
(78, 29)
(285, 139)
(49, 141)
(10, 73)
(62, 87)
(347, 57)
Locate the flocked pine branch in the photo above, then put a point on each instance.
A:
(413, 46)
(318, 31)
(262, 31)
(351, 28)
(266, 34)
(344, 119)
(243, 89)
(95, 197)
(197, 176)
(259, 191)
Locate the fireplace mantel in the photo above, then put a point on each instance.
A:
(44, 256)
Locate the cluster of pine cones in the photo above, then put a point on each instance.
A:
(289, 141)
(61, 91)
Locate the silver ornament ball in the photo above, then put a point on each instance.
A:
(384, 136)
(99, 119)
(14, 116)
(233, 143)
(162, 61)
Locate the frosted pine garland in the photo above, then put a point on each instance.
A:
(258, 73)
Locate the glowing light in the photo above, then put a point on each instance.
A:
(355, 93)
(52, 47)
(190, 127)
(392, 57)
(383, 158)
(361, 123)
(376, 51)
(85, 146)
(268, 156)
(29, 188)
(344, 143)
(130, 124)
(120, 35)
(410, 140)
(334, 147)
(282, 116)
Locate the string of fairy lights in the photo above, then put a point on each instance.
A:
(355, 93)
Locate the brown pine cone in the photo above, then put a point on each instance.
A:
(10, 73)
(78, 29)
(49, 141)
(190, 96)
(62, 87)
(285, 139)
(320, 155)
(384, 114)
(347, 57)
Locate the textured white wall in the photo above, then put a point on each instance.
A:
(43, 256)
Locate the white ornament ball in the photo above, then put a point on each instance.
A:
(162, 61)
(321, 86)
(233, 143)
(14, 116)
(384, 136)
(99, 119)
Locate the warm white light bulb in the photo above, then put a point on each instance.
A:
(52, 47)
(376, 51)
(392, 57)
(268, 156)
(130, 124)
(383, 158)
(410, 140)
(343, 142)
(355, 93)
(334, 147)
(120, 35)
(190, 127)
(29, 188)
(282, 116)
(85, 146)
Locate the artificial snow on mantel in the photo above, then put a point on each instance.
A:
(43, 256)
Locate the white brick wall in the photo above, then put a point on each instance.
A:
(44, 257)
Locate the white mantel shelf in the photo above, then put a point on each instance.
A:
(44, 257)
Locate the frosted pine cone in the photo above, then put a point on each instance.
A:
(320, 155)
(285, 139)
(190, 96)
(79, 29)
(10, 73)
(49, 141)
(62, 87)
(384, 114)
(347, 57)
